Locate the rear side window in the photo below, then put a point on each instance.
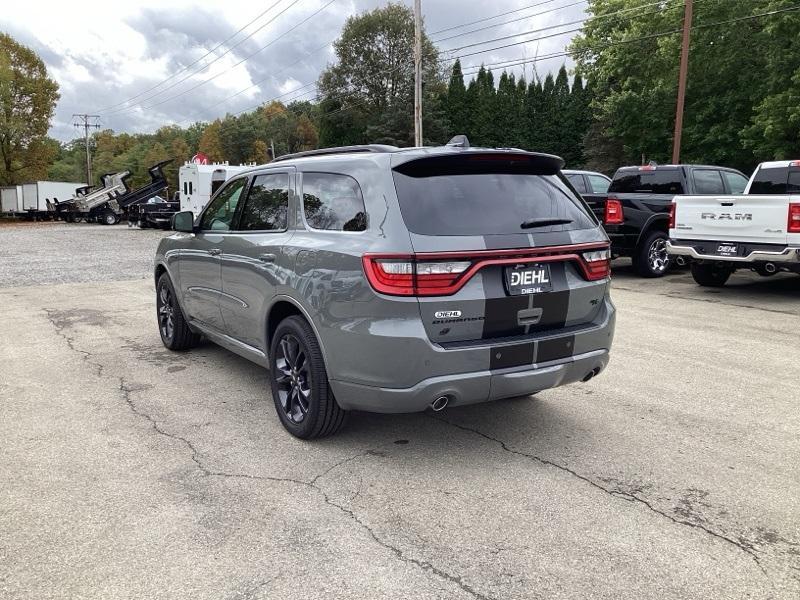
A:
(736, 183)
(708, 181)
(794, 182)
(486, 203)
(333, 202)
(267, 204)
(659, 181)
(576, 179)
(771, 181)
(599, 185)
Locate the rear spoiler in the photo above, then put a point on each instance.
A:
(481, 162)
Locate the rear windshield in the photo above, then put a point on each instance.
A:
(660, 181)
(487, 203)
(776, 181)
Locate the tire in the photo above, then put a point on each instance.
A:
(710, 275)
(108, 218)
(172, 325)
(651, 258)
(299, 382)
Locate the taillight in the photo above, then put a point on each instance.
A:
(614, 214)
(598, 264)
(794, 218)
(405, 276)
(444, 273)
(672, 216)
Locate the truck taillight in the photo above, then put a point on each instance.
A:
(613, 214)
(794, 218)
(672, 215)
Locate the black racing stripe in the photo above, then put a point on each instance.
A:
(516, 355)
(511, 240)
(554, 304)
(500, 318)
(555, 349)
(550, 238)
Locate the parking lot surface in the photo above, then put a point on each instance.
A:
(128, 471)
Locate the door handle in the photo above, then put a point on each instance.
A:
(215, 251)
(267, 258)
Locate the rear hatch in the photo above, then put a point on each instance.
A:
(509, 241)
(755, 219)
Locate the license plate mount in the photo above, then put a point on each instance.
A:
(525, 279)
(727, 249)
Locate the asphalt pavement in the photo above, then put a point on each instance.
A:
(128, 471)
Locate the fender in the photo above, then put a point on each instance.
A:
(652, 223)
(304, 311)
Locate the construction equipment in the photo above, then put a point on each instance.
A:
(98, 205)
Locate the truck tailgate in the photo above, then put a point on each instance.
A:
(760, 219)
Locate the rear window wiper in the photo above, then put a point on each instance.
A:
(544, 222)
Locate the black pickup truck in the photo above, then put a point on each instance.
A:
(635, 211)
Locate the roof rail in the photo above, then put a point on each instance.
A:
(339, 150)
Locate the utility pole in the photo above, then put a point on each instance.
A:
(687, 28)
(417, 73)
(87, 122)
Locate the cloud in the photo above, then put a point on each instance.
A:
(122, 49)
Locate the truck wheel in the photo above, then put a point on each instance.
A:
(300, 390)
(172, 325)
(109, 218)
(651, 258)
(710, 274)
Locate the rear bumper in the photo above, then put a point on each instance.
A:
(470, 388)
(788, 254)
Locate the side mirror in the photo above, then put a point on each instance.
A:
(183, 221)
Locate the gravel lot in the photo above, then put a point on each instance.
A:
(127, 471)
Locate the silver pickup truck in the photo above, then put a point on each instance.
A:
(759, 230)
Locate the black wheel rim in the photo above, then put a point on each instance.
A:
(657, 255)
(293, 376)
(166, 310)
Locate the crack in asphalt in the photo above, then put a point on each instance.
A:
(59, 328)
(126, 391)
(629, 497)
(312, 484)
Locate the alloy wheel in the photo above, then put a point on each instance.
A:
(293, 376)
(657, 255)
(166, 311)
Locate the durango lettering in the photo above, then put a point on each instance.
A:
(528, 278)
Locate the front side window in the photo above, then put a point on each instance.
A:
(708, 181)
(736, 182)
(333, 202)
(267, 205)
(658, 181)
(219, 214)
(598, 184)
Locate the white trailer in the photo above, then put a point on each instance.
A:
(11, 199)
(199, 182)
(36, 194)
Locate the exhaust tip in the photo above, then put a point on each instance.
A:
(770, 268)
(440, 403)
(680, 261)
(590, 374)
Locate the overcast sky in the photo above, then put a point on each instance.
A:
(104, 53)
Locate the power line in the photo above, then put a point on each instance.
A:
(512, 63)
(249, 56)
(271, 75)
(550, 27)
(205, 66)
(544, 12)
(209, 53)
(510, 12)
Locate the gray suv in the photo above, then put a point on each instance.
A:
(393, 280)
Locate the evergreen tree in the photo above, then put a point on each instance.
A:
(534, 106)
(456, 103)
(484, 111)
(507, 111)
